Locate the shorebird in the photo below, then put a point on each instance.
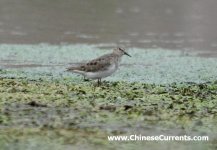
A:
(100, 67)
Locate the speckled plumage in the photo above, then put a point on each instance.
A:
(100, 67)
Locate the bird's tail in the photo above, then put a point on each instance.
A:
(71, 68)
(75, 70)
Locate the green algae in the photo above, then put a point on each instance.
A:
(158, 66)
(112, 109)
(156, 92)
(120, 98)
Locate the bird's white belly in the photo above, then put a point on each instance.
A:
(101, 74)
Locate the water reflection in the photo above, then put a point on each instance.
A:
(174, 24)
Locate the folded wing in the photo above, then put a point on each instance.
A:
(101, 63)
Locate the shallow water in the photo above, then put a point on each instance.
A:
(39, 109)
(171, 24)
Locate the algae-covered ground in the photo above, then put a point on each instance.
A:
(155, 92)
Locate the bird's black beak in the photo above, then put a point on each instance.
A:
(127, 54)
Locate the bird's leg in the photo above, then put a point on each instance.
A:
(85, 79)
(98, 82)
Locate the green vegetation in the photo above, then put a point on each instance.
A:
(155, 92)
(65, 108)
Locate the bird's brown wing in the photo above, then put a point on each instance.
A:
(101, 63)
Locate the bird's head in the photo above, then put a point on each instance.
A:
(120, 52)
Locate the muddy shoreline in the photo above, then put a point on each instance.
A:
(55, 106)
